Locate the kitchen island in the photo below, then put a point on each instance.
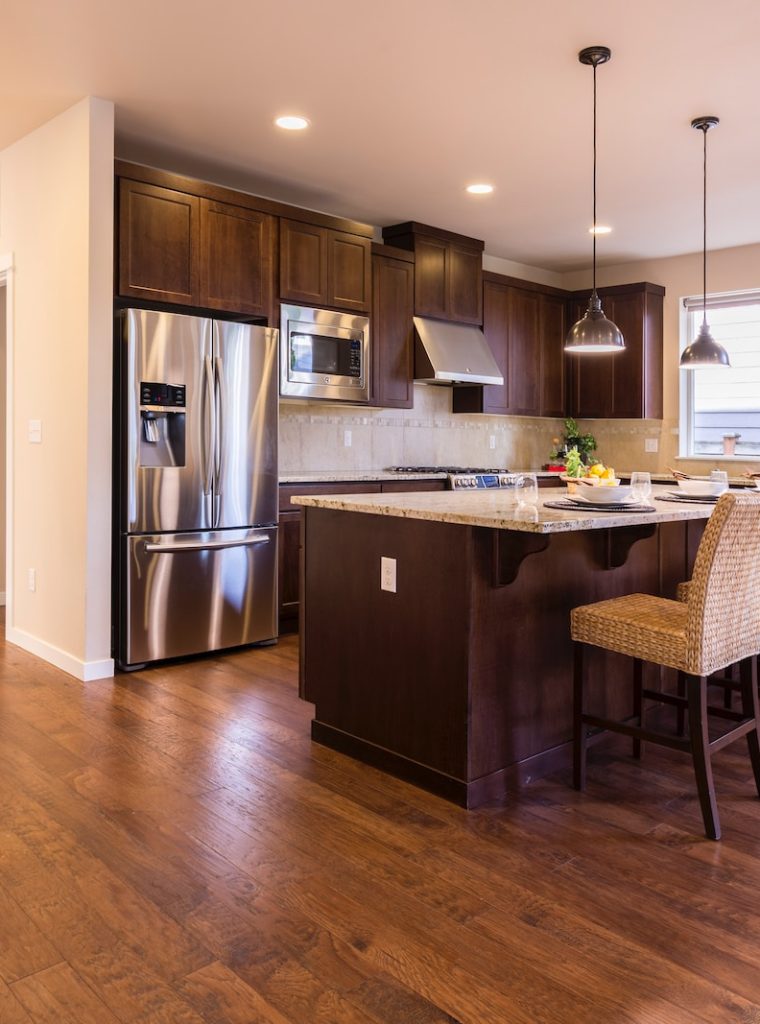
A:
(460, 678)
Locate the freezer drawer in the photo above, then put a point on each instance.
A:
(194, 592)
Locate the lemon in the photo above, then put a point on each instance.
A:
(597, 469)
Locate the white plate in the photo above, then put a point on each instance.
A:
(702, 488)
(605, 495)
(579, 500)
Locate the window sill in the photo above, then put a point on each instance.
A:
(717, 458)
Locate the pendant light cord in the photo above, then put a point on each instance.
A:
(594, 220)
(704, 227)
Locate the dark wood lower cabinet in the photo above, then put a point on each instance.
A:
(461, 680)
(290, 533)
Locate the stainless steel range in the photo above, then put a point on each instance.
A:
(464, 477)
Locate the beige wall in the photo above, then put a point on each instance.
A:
(622, 441)
(56, 220)
(3, 358)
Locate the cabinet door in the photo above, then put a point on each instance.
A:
(592, 376)
(552, 330)
(627, 311)
(303, 262)
(496, 331)
(430, 278)
(349, 276)
(524, 353)
(236, 259)
(288, 569)
(391, 332)
(159, 242)
(465, 286)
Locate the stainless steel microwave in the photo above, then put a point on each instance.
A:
(324, 354)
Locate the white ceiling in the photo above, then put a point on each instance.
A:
(412, 99)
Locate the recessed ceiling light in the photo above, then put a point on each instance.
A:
(599, 229)
(292, 122)
(479, 190)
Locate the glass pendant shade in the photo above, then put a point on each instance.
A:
(704, 351)
(594, 332)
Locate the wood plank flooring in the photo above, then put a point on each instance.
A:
(174, 849)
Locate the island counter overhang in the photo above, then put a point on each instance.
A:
(461, 680)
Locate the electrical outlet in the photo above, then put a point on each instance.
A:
(492, 441)
(347, 439)
(388, 574)
(651, 444)
(31, 579)
(35, 431)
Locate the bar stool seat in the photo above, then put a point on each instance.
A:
(716, 623)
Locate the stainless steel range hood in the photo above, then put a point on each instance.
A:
(446, 353)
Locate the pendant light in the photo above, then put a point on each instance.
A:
(594, 332)
(704, 350)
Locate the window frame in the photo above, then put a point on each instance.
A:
(689, 304)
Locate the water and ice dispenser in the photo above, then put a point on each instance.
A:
(162, 424)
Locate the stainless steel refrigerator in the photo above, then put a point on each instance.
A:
(197, 486)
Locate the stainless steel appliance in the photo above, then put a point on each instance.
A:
(197, 486)
(463, 477)
(324, 354)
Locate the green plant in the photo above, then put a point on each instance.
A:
(584, 443)
(574, 463)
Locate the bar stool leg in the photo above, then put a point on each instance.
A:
(728, 694)
(680, 713)
(637, 703)
(696, 687)
(748, 679)
(579, 728)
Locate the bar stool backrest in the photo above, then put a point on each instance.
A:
(723, 619)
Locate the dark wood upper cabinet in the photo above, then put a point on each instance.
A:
(524, 325)
(159, 243)
(552, 328)
(448, 279)
(626, 384)
(237, 258)
(323, 267)
(391, 330)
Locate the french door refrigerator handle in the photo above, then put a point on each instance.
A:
(200, 545)
(209, 417)
(220, 414)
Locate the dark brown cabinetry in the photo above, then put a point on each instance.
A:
(448, 280)
(236, 264)
(159, 243)
(626, 384)
(289, 553)
(323, 267)
(524, 326)
(391, 330)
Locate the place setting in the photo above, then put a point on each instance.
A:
(607, 494)
(697, 490)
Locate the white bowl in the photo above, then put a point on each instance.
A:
(605, 495)
(702, 488)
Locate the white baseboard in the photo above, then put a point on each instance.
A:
(87, 671)
(2, 597)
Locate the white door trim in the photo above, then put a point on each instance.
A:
(6, 280)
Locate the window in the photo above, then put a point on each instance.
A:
(721, 407)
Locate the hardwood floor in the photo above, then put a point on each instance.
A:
(174, 849)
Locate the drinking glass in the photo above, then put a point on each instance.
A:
(641, 487)
(527, 490)
(719, 476)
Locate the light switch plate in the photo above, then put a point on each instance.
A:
(347, 439)
(35, 431)
(651, 444)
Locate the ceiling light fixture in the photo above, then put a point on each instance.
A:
(292, 122)
(479, 190)
(704, 350)
(594, 332)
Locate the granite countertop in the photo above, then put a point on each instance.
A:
(492, 509)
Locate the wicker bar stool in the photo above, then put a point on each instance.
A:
(717, 625)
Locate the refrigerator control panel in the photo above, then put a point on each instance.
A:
(163, 395)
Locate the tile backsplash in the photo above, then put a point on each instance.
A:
(312, 436)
